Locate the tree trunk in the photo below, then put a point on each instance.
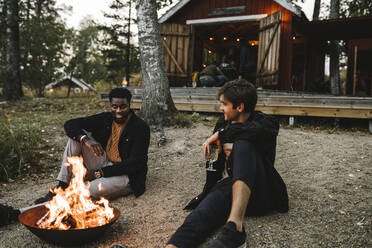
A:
(12, 84)
(127, 70)
(316, 10)
(157, 102)
(334, 64)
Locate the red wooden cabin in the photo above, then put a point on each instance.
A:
(196, 32)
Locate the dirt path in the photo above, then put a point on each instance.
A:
(329, 180)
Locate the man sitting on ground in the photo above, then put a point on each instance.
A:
(249, 184)
(114, 148)
(212, 76)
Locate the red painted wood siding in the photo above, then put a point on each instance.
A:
(198, 9)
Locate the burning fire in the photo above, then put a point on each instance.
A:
(72, 208)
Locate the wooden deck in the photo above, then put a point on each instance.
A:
(272, 102)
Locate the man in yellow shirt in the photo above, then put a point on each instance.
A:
(114, 147)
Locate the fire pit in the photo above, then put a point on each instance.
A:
(30, 217)
(71, 217)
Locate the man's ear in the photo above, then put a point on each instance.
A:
(240, 107)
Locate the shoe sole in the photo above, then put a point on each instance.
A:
(243, 245)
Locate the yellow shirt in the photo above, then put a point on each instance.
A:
(112, 148)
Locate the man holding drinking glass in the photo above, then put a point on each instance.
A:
(248, 184)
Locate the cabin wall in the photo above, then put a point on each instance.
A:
(199, 10)
(363, 45)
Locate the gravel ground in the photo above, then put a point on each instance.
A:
(328, 176)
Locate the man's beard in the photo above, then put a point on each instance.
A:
(121, 120)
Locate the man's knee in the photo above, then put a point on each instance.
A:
(241, 184)
(110, 188)
(73, 148)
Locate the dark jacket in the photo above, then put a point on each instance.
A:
(133, 145)
(261, 130)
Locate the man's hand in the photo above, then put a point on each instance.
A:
(227, 148)
(94, 146)
(90, 175)
(209, 141)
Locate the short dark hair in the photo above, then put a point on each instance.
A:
(120, 93)
(240, 91)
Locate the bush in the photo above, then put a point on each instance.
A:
(18, 144)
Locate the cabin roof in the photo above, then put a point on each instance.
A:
(79, 82)
(172, 11)
(340, 29)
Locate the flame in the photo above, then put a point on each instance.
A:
(72, 207)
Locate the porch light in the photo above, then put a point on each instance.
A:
(124, 83)
(237, 39)
(204, 65)
(294, 37)
(209, 51)
(224, 38)
(211, 38)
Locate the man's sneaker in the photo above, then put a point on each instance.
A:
(50, 195)
(229, 237)
(45, 198)
(118, 246)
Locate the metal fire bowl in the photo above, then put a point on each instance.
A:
(62, 237)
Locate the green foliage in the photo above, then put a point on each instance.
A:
(2, 41)
(43, 35)
(18, 143)
(351, 8)
(163, 3)
(121, 57)
(87, 61)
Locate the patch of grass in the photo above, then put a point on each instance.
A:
(328, 124)
(181, 119)
(187, 119)
(18, 146)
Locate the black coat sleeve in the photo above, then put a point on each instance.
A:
(74, 127)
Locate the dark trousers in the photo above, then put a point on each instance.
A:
(211, 213)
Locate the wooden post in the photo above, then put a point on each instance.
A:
(355, 68)
(306, 58)
(190, 62)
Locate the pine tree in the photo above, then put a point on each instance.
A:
(12, 84)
